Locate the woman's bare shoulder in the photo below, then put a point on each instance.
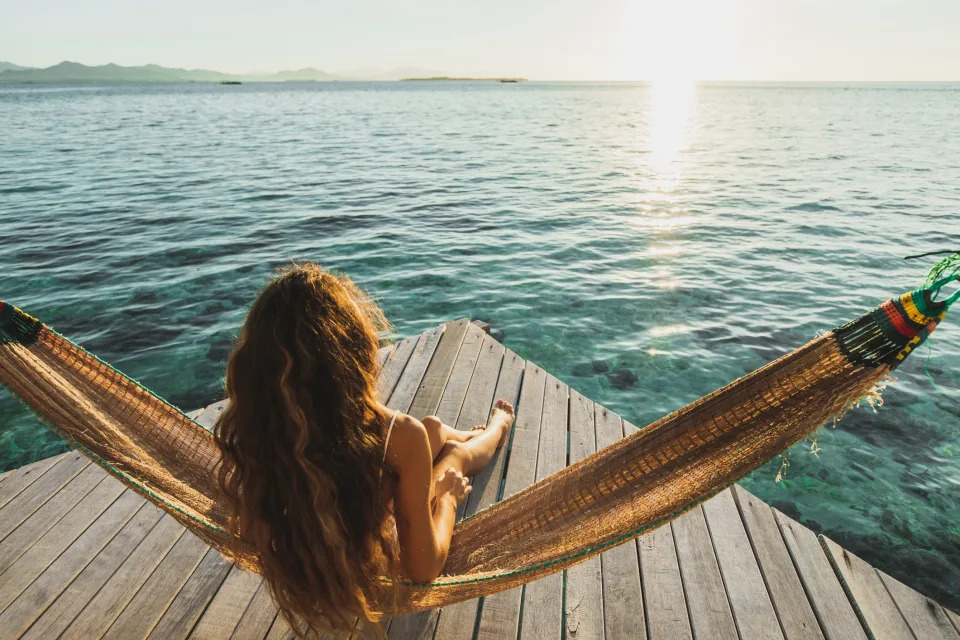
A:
(408, 438)
(409, 430)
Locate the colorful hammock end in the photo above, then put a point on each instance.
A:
(16, 326)
(889, 333)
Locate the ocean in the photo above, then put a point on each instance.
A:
(646, 244)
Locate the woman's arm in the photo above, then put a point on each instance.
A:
(424, 519)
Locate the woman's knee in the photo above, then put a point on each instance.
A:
(434, 427)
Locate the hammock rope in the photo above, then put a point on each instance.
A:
(606, 499)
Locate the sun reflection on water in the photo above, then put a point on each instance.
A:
(670, 330)
(662, 208)
(661, 250)
(668, 117)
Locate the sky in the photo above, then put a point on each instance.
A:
(682, 40)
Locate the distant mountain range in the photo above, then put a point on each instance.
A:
(6, 66)
(74, 72)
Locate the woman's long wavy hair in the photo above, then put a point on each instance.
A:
(302, 443)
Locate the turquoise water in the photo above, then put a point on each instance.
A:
(645, 244)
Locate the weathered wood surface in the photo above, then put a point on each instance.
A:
(664, 600)
(144, 610)
(623, 613)
(926, 618)
(954, 618)
(500, 616)
(543, 599)
(752, 610)
(228, 606)
(82, 557)
(834, 612)
(259, 616)
(707, 603)
(583, 600)
(794, 612)
(874, 606)
(457, 621)
(192, 600)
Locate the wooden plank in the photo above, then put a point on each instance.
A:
(873, 604)
(193, 414)
(34, 600)
(51, 544)
(19, 540)
(109, 602)
(583, 601)
(383, 353)
(75, 597)
(780, 576)
(664, 603)
(482, 325)
(753, 611)
(710, 614)
(182, 614)
(622, 592)
(543, 599)
(503, 369)
(925, 617)
(447, 407)
(479, 396)
(16, 480)
(954, 618)
(448, 410)
(409, 382)
(427, 398)
(487, 484)
(837, 619)
(259, 616)
(33, 497)
(43, 463)
(281, 630)
(228, 606)
(208, 417)
(501, 612)
(392, 369)
(142, 612)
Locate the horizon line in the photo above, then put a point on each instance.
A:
(466, 77)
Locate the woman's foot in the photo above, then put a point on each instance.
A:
(500, 418)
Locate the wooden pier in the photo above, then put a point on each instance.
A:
(83, 557)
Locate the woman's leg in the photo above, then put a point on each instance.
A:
(470, 456)
(438, 434)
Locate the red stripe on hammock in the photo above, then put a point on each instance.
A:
(897, 320)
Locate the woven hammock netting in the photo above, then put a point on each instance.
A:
(616, 494)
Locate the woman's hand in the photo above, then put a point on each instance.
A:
(452, 483)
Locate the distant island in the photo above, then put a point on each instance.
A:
(458, 79)
(76, 73)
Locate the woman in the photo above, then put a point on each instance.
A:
(331, 487)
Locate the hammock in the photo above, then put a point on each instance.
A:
(616, 494)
